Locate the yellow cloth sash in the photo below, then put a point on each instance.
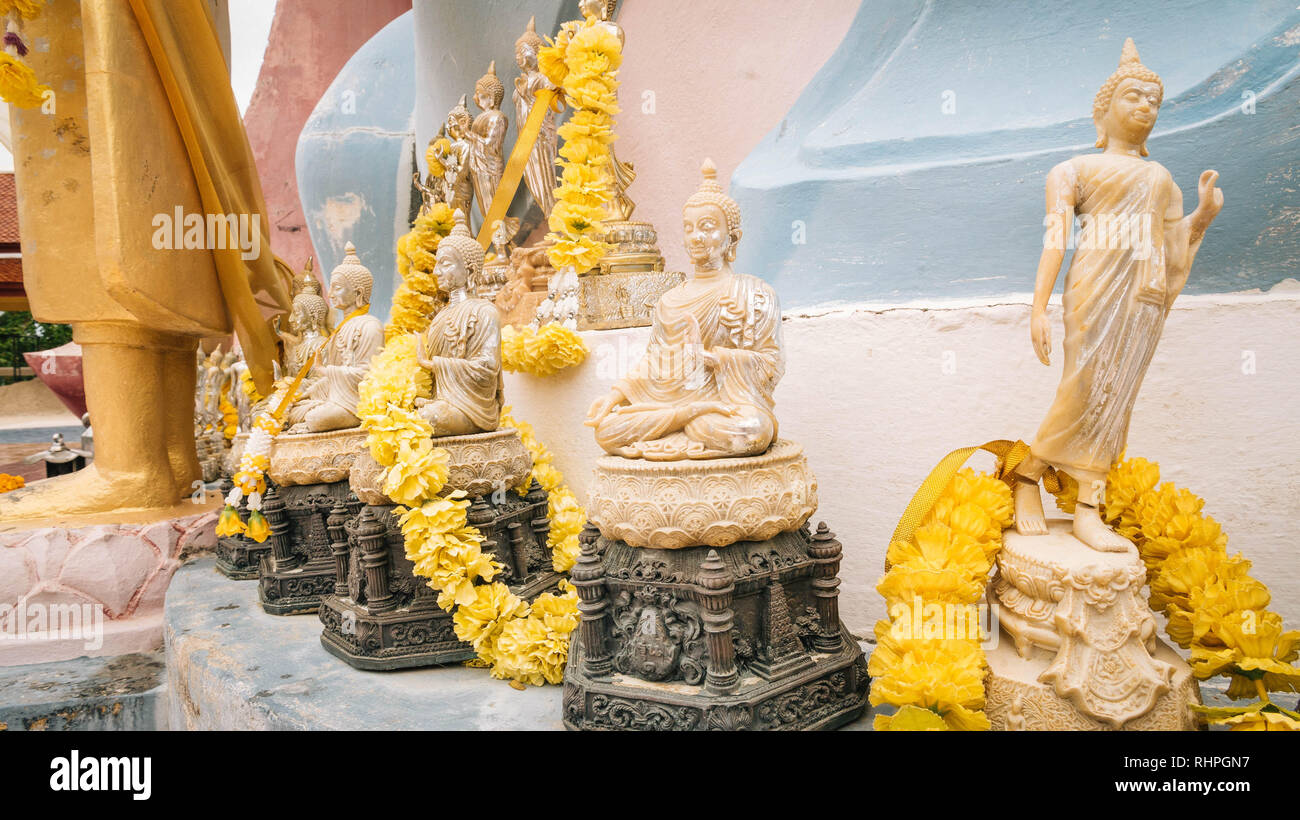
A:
(1011, 453)
(514, 170)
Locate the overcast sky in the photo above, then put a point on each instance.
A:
(250, 25)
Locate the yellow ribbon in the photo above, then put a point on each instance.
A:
(1012, 455)
(278, 412)
(514, 171)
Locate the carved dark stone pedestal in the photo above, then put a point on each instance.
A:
(382, 616)
(238, 557)
(298, 570)
(742, 637)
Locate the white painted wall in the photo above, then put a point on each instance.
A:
(878, 394)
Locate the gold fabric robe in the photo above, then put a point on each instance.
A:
(142, 88)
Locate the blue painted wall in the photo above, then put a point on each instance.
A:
(899, 199)
(356, 155)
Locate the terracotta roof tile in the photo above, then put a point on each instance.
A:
(8, 209)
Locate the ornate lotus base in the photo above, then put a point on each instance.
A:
(299, 567)
(746, 636)
(476, 464)
(314, 458)
(622, 298)
(714, 502)
(381, 615)
(1079, 648)
(1016, 699)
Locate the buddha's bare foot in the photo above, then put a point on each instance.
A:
(86, 492)
(1091, 530)
(1029, 509)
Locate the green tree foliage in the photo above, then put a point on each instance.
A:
(20, 333)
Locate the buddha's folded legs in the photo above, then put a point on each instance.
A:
(685, 432)
(746, 432)
(319, 416)
(620, 430)
(446, 419)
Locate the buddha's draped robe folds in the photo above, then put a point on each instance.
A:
(464, 343)
(341, 364)
(1117, 294)
(737, 318)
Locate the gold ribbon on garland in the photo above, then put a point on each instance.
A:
(514, 171)
(1011, 454)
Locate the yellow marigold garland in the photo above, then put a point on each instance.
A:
(18, 83)
(522, 642)
(583, 62)
(939, 683)
(11, 482)
(1214, 607)
(542, 352)
(417, 297)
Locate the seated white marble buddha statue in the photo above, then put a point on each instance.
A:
(704, 388)
(461, 348)
(330, 400)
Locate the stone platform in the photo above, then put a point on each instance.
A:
(232, 666)
(124, 692)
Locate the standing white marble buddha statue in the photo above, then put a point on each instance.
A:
(487, 139)
(704, 388)
(457, 181)
(1131, 261)
(461, 348)
(539, 172)
(330, 402)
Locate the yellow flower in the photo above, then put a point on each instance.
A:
(934, 674)
(530, 652)
(551, 62)
(903, 583)
(18, 83)
(1213, 605)
(26, 9)
(1189, 569)
(258, 530)
(419, 472)
(479, 622)
(937, 547)
(388, 432)
(910, 719)
(229, 524)
(543, 352)
(11, 482)
(1126, 482)
(1261, 722)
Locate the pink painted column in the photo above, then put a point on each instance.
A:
(309, 43)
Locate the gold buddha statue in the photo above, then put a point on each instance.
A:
(330, 402)
(461, 348)
(1117, 294)
(539, 172)
(487, 139)
(704, 388)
